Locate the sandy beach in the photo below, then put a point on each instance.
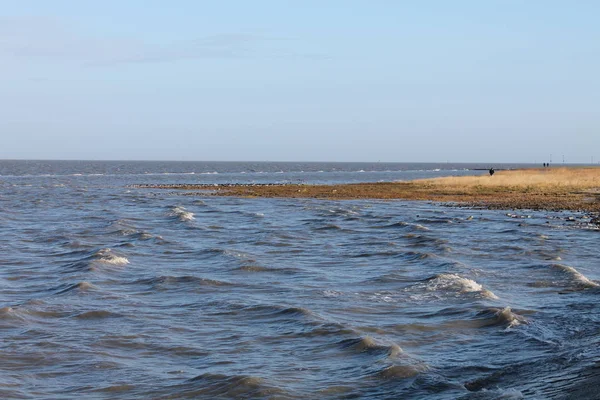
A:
(574, 189)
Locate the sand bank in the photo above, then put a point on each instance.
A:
(538, 189)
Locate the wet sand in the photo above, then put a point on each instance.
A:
(574, 189)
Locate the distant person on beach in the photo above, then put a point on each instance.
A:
(492, 171)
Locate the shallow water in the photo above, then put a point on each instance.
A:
(112, 292)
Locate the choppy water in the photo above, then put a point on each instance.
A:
(112, 292)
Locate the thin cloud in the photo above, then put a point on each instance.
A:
(27, 38)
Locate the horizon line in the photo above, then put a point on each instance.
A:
(294, 161)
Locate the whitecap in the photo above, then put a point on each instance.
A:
(182, 214)
(500, 317)
(508, 316)
(457, 284)
(577, 277)
(454, 282)
(106, 256)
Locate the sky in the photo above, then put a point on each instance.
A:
(300, 80)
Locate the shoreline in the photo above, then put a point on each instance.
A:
(551, 189)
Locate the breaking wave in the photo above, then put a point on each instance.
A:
(577, 278)
(106, 256)
(182, 214)
(500, 317)
(455, 284)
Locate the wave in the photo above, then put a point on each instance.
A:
(402, 225)
(124, 228)
(106, 256)
(272, 311)
(233, 253)
(32, 308)
(7, 312)
(147, 236)
(389, 253)
(423, 240)
(420, 227)
(337, 211)
(489, 317)
(282, 311)
(577, 278)
(417, 256)
(225, 386)
(402, 371)
(182, 214)
(500, 317)
(97, 314)
(166, 281)
(453, 284)
(76, 287)
(368, 345)
(260, 268)
(435, 221)
(329, 227)
(399, 224)
(255, 268)
(92, 260)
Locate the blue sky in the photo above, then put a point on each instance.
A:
(480, 81)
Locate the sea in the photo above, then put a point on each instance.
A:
(112, 291)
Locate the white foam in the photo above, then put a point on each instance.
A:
(182, 214)
(456, 283)
(453, 281)
(106, 256)
(382, 297)
(332, 293)
(577, 277)
(503, 393)
(513, 319)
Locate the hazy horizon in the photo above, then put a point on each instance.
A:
(554, 163)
